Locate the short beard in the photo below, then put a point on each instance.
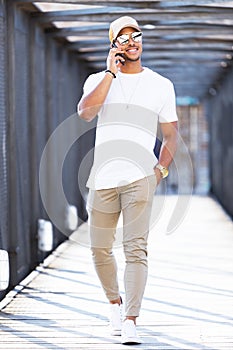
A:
(132, 59)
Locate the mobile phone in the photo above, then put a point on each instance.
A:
(118, 54)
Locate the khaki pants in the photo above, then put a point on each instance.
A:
(105, 206)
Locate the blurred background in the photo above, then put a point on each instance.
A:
(47, 49)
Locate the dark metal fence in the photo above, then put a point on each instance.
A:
(3, 133)
(40, 84)
(220, 117)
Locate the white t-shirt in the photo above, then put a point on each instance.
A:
(127, 126)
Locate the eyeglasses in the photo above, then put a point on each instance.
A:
(124, 38)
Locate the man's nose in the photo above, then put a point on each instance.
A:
(131, 41)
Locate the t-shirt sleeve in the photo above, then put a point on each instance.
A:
(92, 81)
(168, 113)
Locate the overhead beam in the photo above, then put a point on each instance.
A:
(102, 30)
(166, 53)
(159, 50)
(169, 61)
(187, 41)
(164, 46)
(162, 40)
(103, 15)
(132, 3)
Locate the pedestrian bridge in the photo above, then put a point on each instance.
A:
(47, 49)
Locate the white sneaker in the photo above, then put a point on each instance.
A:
(129, 334)
(115, 319)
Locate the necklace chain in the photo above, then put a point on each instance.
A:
(133, 92)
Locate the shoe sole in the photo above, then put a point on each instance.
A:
(131, 341)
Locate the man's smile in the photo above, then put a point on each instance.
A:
(132, 50)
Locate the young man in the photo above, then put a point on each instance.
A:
(130, 100)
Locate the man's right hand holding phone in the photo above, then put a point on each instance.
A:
(115, 59)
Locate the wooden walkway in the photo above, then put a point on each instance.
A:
(188, 302)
